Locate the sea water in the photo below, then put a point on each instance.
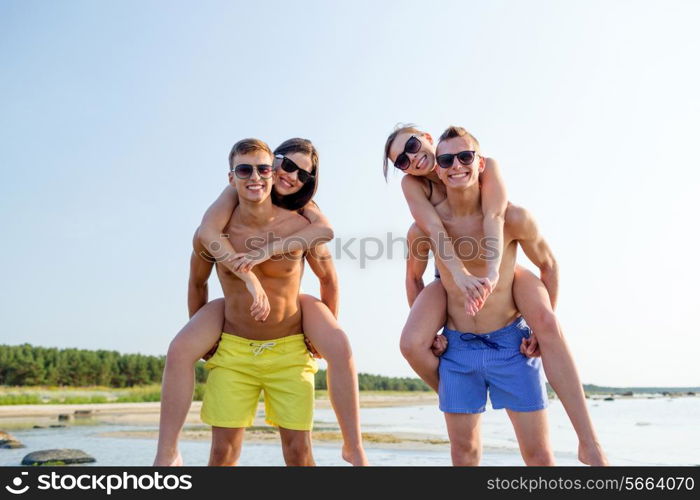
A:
(635, 431)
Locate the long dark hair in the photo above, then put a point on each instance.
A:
(299, 199)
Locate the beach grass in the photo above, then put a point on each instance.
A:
(33, 395)
(47, 395)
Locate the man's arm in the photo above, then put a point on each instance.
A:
(321, 262)
(417, 261)
(201, 265)
(537, 250)
(428, 221)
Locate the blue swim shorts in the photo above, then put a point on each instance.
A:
(475, 364)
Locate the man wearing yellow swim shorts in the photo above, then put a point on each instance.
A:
(258, 354)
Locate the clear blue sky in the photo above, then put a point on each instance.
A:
(116, 119)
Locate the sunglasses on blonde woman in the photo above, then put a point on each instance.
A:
(412, 146)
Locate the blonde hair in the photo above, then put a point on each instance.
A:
(452, 131)
(398, 129)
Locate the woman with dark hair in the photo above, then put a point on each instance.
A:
(296, 181)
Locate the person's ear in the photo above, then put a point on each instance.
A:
(482, 163)
(429, 137)
(231, 178)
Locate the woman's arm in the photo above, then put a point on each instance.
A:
(201, 265)
(494, 201)
(319, 231)
(213, 224)
(429, 222)
(321, 262)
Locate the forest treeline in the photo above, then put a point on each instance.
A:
(25, 365)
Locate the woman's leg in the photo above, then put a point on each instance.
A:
(533, 303)
(193, 341)
(427, 316)
(322, 329)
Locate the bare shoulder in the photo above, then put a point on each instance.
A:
(289, 219)
(490, 163)
(518, 221)
(414, 182)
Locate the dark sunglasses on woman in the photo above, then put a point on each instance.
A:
(412, 146)
(289, 166)
(245, 171)
(466, 158)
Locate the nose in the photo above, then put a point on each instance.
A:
(255, 175)
(458, 163)
(412, 157)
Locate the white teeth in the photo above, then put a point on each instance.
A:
(255, 187)
(453, 176)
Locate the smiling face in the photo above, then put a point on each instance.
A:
(459, 176)
(423, 161)
(254, 189)
(287, 183)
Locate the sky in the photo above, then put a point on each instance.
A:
(116, 119)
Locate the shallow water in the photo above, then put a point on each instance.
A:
(659, 431)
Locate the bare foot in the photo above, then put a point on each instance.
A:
(168, 461)
(592, 454)
(355, 456)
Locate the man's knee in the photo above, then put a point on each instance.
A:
(297, 452)
(223, 454)
(466, 452)
(540, 456)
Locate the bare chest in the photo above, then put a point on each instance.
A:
(253, 243)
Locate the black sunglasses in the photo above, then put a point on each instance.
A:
(245, 171)
(289, 166)
(465, 158)
(412, 146)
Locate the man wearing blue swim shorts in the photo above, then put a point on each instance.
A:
(483, 355)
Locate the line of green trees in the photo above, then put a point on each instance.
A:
(25, 365)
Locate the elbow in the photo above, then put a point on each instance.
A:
(203, 236)
(550, 268)
(327, 234)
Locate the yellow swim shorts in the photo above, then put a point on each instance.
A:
(241, 368)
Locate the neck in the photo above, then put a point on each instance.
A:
(465, 201)
(433, 176)
(255, 214)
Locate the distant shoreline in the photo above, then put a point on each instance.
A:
(33, 397)
(143, 412)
